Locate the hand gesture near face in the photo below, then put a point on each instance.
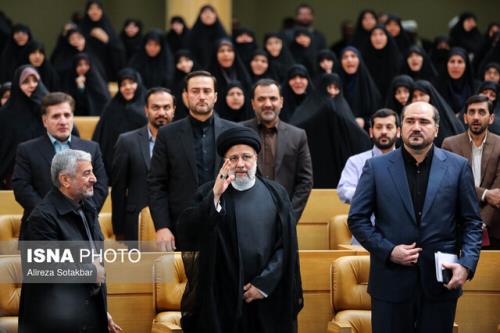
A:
(222, 181)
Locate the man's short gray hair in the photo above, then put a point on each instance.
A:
(66, 162)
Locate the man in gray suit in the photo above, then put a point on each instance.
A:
(184, 156)
(131, 162)
(284, 156)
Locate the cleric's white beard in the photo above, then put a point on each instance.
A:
(246, 182)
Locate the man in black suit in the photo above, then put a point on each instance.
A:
(31, 177)
(284, 156)
(184, 156)
(131, 162)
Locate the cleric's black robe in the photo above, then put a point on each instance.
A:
(213, 298)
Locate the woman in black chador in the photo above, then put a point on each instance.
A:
(20, 118)
(14, 51)
(332, 132)
(303, 49)
(278, 53)
(449, 124)
(87, 87)
(260, 67)
(228, 67)
(103, 39)
(131, 37)
(184, 64)
(457, 83)
(154, 61)
(205, 32)
(245, 44)
(398, 33)
(359, 88)
(418, 65)
(400, 93)
(367, 20)
(178, 35)
(235, 105)
(326, 63)
(382, 57)
(466, 35)
(295, 88)
(36, 57)
(125, 112)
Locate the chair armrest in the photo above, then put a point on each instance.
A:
(339, 327)
(164, 328)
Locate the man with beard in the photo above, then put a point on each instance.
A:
(131, 162)
(244, 275)
(424, 201)
(304, 18)
(184, 156)
(384, 132)
(285, 155)
(482, 149)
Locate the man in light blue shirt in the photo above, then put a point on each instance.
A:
(384, 131)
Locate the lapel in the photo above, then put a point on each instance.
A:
(186, 137)
(487, 153)
(143, 140)
(398, 173)
(465, 147)
(218, 129)
(437, 172)
(282, 139)
(47, 150)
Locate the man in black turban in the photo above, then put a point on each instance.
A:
(242, 268)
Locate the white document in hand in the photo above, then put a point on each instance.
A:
(443, 258)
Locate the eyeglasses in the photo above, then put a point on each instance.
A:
(244, 157)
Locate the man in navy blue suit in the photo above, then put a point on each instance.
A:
(424, 201)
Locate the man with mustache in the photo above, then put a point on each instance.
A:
(384, 132)
(65, 218)
(31, 177)
(285, 155)
(131, 162)
(245, 274)
(482, 149)
(184, 156)
(424, 201)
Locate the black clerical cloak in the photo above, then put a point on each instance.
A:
(213, 299)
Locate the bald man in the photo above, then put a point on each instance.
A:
(425, 201)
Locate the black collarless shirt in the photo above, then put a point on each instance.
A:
(417, 175)
(204, 148)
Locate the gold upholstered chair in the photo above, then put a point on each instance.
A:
(10, 226)
(10, 292)
(168, 286)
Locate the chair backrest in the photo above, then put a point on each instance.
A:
(86, 126)
(169, 282)
(339, 232)
(350, 283)
(10, 285)
(146, 231)
(106, 225)
(8, 203)
(10, 226)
